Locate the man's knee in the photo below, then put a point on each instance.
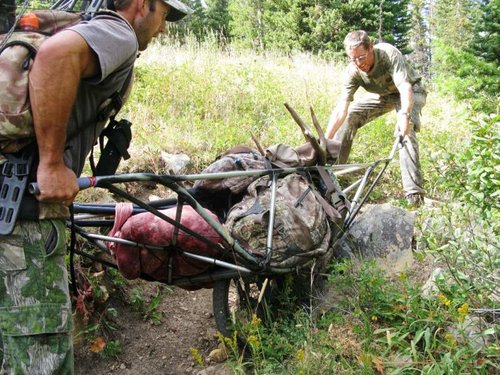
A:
(419, 102)
(355, 120)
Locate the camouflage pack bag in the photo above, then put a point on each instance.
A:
(240, 158)
(17, 53)
(302, 229)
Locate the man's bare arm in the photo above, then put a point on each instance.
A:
(62, 61)
(403, 121)
(337, 118)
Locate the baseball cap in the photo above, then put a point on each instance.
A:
(178, 10)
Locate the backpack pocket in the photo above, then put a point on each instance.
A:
(16, 60)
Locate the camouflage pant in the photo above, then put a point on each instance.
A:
(35, 308)
(367, 109)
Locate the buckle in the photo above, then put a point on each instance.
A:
(15, 179)
(19, 169)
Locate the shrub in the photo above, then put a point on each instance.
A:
(473, 174)
(467, 77)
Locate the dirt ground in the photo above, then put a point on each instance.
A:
(162, 349)
(185, 321)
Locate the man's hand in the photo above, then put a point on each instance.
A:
(57, 183)
(402, 125)
(337, 118)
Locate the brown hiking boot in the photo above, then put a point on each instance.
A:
(415, 199)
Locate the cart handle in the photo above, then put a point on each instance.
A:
(83, 183)
(88, 182)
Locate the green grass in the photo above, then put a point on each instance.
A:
(191, 99)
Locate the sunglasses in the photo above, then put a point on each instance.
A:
(358, 59)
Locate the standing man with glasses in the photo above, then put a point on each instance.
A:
(382, 70)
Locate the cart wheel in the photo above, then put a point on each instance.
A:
(235, 302)
(220, 305)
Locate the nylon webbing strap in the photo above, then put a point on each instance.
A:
(332, 190)
(113, 105)
(14, 178)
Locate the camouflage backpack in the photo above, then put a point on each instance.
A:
(303, 224)
(240, 158)
(17, 53)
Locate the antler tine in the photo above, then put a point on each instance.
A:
(318, 127)
(257, 143)
(322, 139)
(306, 131)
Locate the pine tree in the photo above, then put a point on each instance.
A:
(217, 17)
(246, 23)
(419, 36)
(486, 39)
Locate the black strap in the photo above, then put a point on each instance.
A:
(109, 111)
(72, 247)
(110, 4)
(333, 190)
(119, 135)
(116, 100)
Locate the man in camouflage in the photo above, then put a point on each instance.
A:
(74, 72)
(382, 70)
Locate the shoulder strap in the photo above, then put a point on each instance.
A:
(113, 104)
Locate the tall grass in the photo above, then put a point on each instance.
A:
(203, 101)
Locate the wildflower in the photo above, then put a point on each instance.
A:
(300, 355)
(253, 341)
(256, 320)
(462, 312)
(403, 277)
(444, 300)
(450, 339)
(195, 353)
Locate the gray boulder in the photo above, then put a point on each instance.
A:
(382, 232)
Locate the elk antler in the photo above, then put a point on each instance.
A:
(320, 151)
(257, 143)
(322, 156)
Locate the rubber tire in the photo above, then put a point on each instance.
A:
(246, 302)
(220, 303)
